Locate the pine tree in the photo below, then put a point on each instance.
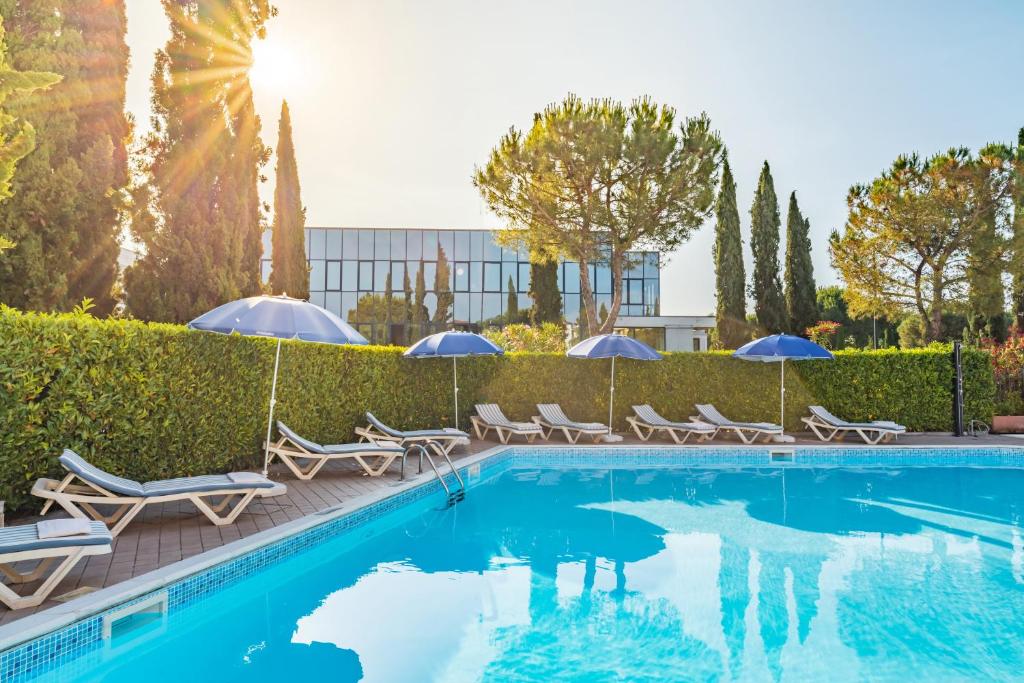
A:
(730, 286)
(801, 292)
(205, 158)
(17, 136)
(290, 273)
(512, 304)
(443, 289)
(65, 210)
(1017, 244)
(547, 299)
(766, 287)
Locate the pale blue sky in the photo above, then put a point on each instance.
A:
(394, 102)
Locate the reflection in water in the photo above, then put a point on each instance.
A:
(653, 574)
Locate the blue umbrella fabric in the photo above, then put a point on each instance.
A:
(778, 348)
(612, 346)
(454, 345)
(278, 317)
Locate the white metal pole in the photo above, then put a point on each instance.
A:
(782, 393)
(273, 402)
(611, 398)
(455, 381)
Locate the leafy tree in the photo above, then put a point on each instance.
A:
(17, 136)
(1017, 233)
(512, 303)
(204, 161)
(65, 209)
(547, 299)
(908, 236)
(986, 296)
(592, 180)
(766, 287)
(290, 273)
(730, 287)
(831, 304)
(801, 292)
(443, 289)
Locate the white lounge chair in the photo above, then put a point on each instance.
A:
(37, 542)
(748, 432)
(489, 416)
(291, 447)
(647, 422)
(379, 433)
(553, 418)
(130, 497)
(827, 426)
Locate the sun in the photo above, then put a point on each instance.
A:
(276, 67)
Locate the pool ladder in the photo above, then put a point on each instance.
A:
(452, 496)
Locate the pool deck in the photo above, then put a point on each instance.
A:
(163, 535)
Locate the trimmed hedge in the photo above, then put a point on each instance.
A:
(151, 401)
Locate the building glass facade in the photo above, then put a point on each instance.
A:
(349, 269)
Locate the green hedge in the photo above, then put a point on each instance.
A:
(151, 401)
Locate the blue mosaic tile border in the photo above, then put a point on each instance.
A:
(72, 642)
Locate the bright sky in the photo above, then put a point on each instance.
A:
(394, 102)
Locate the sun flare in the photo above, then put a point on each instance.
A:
(276, 67)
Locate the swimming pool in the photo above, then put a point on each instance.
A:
(608, 566)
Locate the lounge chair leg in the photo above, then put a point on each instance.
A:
(15, 601)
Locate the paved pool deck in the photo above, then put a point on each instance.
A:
(163, 535)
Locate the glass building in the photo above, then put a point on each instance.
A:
(349, 269)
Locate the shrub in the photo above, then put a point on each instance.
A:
(1008, 372)
(151, 400)
(543, 338)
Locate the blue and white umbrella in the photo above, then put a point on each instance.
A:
(454, 345)
(278, 317)
(778, 348)
(612, 346)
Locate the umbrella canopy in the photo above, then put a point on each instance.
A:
(778, 348)
(612, 346)
(279, 317)
(454, 345)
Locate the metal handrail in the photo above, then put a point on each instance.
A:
(422, 449)
(439, 449)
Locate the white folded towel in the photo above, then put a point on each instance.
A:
(58, 528)
(246, 478)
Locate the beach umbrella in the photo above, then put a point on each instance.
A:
(613, 346)
(278, 317)
(454, 345)
(778, 348)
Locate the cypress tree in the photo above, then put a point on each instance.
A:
(419, 309)
(290, 274)
(64, 214)
(388, 299)
(730, 287)
(407, 306)
(547, 299)
(801, 292)
(443, 289)
(205, 159)
(766, 287)
(512, 304)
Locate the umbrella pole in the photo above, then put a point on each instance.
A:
(270, 418)
(455, 381)
(782, 393)
(611, 398)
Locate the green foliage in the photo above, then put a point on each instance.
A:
(150, 400)
(547, 299)
(63, 215)
(512, 302)
(912, 332)
(544, 338)
(730, 278)
(831, 302)
(801, 293)
(290, 271)
(766, 287)
(1016, 264)
(202, 230)
(592, 180)
(443, 289)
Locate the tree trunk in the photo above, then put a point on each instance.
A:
(589, 321)
(935, 325)
(608, 325)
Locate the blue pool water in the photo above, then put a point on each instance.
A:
(673, 573)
